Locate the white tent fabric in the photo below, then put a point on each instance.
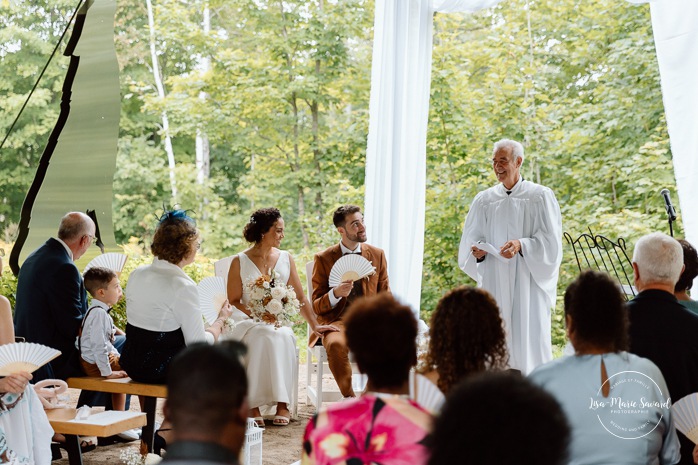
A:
(675, 27)
(396, 152)
(399, 108)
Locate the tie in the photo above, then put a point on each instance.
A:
(353, 253)
(508, 192)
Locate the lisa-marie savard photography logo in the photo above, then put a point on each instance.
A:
(634, 406)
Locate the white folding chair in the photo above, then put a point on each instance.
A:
(221, 268)
(315, 394)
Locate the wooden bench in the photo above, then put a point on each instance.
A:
(99, 423)
(148, 392)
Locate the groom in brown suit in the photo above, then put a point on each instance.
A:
(330, 305)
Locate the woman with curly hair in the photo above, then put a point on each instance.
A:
(466, 337)
(162, 303)
(271, 353)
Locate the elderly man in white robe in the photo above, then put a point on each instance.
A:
(512, 247)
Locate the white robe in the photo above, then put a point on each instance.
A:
(524, 286)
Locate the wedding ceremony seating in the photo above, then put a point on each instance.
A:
(315, 393)
(107, 424)
(148, 392)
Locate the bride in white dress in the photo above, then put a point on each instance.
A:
(271, 353)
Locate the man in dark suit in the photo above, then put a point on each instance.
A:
(661, 329)
(330, 304)
(51, 297)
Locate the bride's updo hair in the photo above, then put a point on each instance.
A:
(260, 222)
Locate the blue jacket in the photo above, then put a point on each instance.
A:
(51, 302)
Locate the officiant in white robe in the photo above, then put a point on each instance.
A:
(512, 247)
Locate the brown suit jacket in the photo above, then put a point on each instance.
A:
(378, 282)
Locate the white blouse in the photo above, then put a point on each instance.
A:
(161, 297)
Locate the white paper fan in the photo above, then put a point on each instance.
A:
(685, 413)
(212, 294)
(428, 394)
(112, 260)
(24, 356)
(350, 267)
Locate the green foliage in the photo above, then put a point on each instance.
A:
(284, 105)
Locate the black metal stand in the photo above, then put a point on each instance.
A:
(594, 251)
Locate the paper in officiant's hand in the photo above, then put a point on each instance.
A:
(491, 250)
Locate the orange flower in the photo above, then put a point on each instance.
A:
(268, 318)
(266, 300)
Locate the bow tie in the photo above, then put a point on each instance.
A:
(352, 253)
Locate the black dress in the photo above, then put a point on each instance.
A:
(147, 355)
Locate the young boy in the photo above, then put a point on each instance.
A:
(98, 356)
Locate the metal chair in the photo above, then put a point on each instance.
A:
(315, 394)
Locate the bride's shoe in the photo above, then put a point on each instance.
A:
(259, 421)
(280, 420)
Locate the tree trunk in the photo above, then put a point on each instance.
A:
(161, 94)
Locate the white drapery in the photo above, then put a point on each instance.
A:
(675, 28)
(399, 108)
(397, 134)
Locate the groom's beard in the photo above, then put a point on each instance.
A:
(358, 237)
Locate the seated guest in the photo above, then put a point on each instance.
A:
(96, 341)
(588, 383)
(51, 299)
(207, 404)
(466, 337)
(502, 419)
(661, 329)
(685, 282)
(162, 303)
(271, 356)
(383, 425)
(25, 433)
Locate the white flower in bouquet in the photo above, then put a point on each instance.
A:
(278, 293)
(291, 294)
(257, 293)
(266, 285)
(275, 307)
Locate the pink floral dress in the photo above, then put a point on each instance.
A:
(369, 430)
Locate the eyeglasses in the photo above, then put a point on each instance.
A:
(93, 239)
(198, 245)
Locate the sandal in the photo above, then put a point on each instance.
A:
(280, 420)
(85, 446)
(259, 421)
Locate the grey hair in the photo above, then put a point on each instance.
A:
(515, 147)
(73, 226)
(659, 258)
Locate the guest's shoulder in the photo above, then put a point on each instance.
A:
(550, 370)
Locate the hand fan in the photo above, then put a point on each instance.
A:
(24, 356)
(112, 260)
(350, 267)
(685, 413)
(212, 294)
(428, 394)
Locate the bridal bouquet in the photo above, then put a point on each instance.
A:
(271, 301)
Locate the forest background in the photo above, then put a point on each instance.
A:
(275, 94)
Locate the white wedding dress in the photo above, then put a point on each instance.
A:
(271, 353)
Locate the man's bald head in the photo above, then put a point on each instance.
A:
(77, 230)
(74, 225)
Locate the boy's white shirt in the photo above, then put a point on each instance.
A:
(97, 335)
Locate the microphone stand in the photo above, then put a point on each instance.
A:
(671, 227)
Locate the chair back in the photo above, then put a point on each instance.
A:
(222, 266)
(309, 279)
